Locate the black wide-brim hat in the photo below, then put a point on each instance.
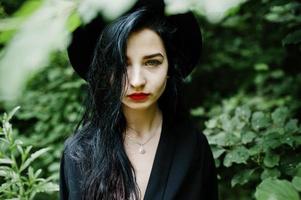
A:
(187, 38)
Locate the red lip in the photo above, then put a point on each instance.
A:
(138, 96)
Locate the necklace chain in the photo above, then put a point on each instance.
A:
(141, 148)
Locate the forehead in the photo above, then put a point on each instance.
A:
(144, 42)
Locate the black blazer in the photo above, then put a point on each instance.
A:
(183, 168)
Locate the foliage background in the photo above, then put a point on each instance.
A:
(245, 95)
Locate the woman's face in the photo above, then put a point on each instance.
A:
(147, 67)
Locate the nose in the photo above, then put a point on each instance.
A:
(136, 77)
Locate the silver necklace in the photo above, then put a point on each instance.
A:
(141, 147)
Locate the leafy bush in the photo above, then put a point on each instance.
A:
(249, 92)
(51, 107)
(253, 147)
(248, 53)
(18, 178)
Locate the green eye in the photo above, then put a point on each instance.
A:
(152, 63)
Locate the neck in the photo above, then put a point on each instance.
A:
(142, 122)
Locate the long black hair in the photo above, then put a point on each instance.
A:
(97, 145)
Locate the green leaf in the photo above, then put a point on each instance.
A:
(4, 171)
(33, 157)
(30, 174)
(254, 150)
(238, 124)
(288, 139)
(292, 38)
(217, 162)
(261, 67)
(297, 183)
(5, 161)
(272, 17)
(6, 187)
(292, 126)
(28, 8)
(8, 173)
(37, 173)
(12, 113)
(271, 160)
(226, 122)
(20, 149)
(271, 141)
(279, 116)
(217, 152)
(6, 26)
(259, 121)
(274, 189)
(199, 111)
(218, 139)
(73, 21)
(237, 155)
(270, 173)
(231, 139)
(248, 137)
(243, 113)
(47, 187)
(223, 139)
(242, 177)
(212, 123)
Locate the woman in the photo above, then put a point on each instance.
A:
(135, 141)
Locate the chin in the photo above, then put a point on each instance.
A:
(137, 106)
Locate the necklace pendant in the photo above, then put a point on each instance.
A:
(141, 150)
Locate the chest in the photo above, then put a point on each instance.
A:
(142, 163)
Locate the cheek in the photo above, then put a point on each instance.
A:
(160, 82)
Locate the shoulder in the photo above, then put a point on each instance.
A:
(77, 144)
(68, 160)
(70, 174)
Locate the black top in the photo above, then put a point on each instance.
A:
(183, 168)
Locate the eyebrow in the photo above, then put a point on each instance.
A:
(153, 55)
(150, 56)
